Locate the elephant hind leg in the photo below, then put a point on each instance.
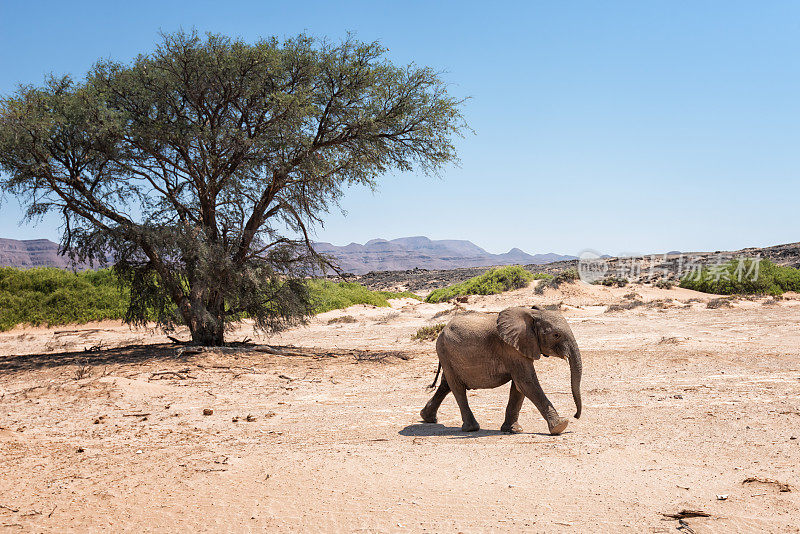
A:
(428, 413)
(515, 400)
(468, 421)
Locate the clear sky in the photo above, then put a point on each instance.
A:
(618, 126)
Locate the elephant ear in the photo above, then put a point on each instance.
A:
(516, 327)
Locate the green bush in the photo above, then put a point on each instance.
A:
(493, 281)
(612, 281)
(725, 279)
(428, 333)
(50, 296)
(566, 276)
(327, 295)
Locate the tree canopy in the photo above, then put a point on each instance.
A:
(200, 169)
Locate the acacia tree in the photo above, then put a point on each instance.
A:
(198, 170)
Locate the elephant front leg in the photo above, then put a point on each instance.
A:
(529, 385)
(515, 400)
(428, 413)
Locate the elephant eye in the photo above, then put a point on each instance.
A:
(556, 335)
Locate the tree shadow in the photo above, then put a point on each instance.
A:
(140, 353)
(110, 356)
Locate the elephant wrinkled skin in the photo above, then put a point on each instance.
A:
(486, 350)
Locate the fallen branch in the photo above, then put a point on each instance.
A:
(182, 374)
(687, 513)
(782, 486)
(683, 525)
(135, 414)
(280, 352)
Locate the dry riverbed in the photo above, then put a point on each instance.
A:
(105, 428)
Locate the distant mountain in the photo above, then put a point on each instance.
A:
(375, 255)
(420, 252)
(31, 253)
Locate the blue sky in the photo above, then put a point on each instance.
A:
(617, 126)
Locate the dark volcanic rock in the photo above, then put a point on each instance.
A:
(650, 268)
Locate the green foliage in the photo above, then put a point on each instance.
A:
(429, 333)
(566, 276)
(746, 277)
(50, 296)
(200, 168)
(611, 281)
(327, 295)
(493, 281)
(543, 276)
(664, 284)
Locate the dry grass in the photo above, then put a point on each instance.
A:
(428, 333)
(723, 302)
(343, 319)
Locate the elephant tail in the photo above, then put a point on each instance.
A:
(436, 378)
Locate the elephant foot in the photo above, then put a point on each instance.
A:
(427, 417)
(559, 426)
(512, 428)
(470, 427)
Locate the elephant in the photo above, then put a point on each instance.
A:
(486, 350)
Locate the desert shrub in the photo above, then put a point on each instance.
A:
(343, 320)
(738, 278)
(611, 281)
(659, 303)
(624, 306)
(50, 296)
(566, 276)
(664, 284)
(429, 333)
(714, 304)
(448, 311)
(542, 276)
(493, 281)
(327, 295)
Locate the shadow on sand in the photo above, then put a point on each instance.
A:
(141, 353)
(454, 432)
(437, 429)
(110, 356)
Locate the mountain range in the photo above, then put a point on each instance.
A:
(375, 255)
(31, 253)
(424, 253)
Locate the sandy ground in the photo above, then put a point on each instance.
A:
(681, 404)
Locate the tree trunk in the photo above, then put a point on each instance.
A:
(207, 323)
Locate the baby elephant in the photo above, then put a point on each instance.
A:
(486, 350)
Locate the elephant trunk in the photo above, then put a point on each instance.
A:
(576, 369)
